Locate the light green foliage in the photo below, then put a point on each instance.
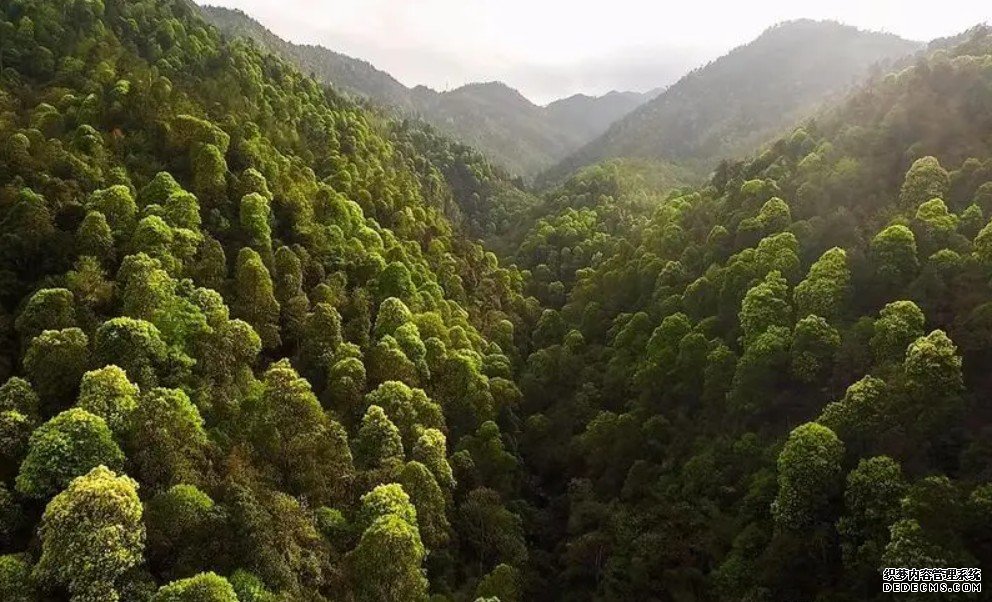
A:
(249, 588)
(935, 223)
(346, 383)
(431, 450)
(209, 173)
(118, 207)
(65, 447)
(814, 343)
(306, 449)
(88, 283)
(181, 522)
(332, 524)
(182, 210)
(825, 290)
(932, 363)
(899, 324)
(925, 180)
(862, 411)
(400, 578)
(760, 368)
(91, 534)
(256, 302)
(252, 180)
(395, 282)
(379, 443)
(497, 467)
(774, 215)
(765, 305)
(109, 394)
(429, 500)
(893, 252)
(298, 275)
(254, 219)
(779, 252)
(392, 314)
(321, 335)
(204, 587)
(386, 500)
(188, 130)
(409, 409)
(808, 476)
(933, 371)
(909, 546)
(983, 243)
(154, 237)
(158, 190)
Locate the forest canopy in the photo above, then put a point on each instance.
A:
(252, 350)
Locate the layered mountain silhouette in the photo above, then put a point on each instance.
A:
(523, 137)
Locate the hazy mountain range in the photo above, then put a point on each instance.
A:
(722, 109)
(513, 131)
(737, 102)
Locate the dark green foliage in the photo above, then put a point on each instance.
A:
(165, 440)
(55, 362)
(241, 279)
(16, 581)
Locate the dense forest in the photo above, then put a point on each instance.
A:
(251, 348)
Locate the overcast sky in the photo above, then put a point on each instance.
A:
(549, 49)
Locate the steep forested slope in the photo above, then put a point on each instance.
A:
(247, 354)
(745, 98)
(492, 117)
(243, 353)
(776, 384)
(347, 74)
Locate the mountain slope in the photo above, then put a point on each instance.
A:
(512, 131)
(742, 99)
(774, 386)
(243, 352)
(350, 75)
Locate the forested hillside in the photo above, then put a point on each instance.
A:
(745, 98)
(249, 351)
(244, 354)
(776, 384)
(509, 129)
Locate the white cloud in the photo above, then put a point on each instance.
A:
(554, 48)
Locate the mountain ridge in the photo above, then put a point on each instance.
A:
(745, 97)
(471, 113)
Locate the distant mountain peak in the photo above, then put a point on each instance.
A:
(491, 116)
(744, 98)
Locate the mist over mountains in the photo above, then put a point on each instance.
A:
(514, 132)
